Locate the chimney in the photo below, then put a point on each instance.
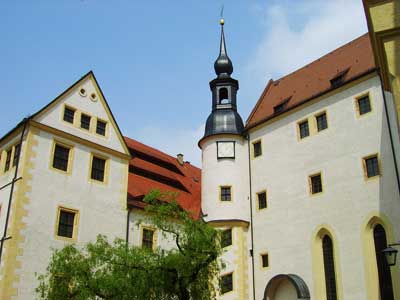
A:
(179, 157)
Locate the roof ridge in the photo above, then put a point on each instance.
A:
(323, 56)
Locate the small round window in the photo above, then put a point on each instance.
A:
(82, 92)
(93, 97)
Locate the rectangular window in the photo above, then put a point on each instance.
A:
(364, 105)
(226, 238)
(322, 122)
(66, 223)
(226, 283)
(226, 193)
(303, 129)
(372, 166)
(147, 238)
(257, 149)
(17, 151)
(264, 260)
(85, 121)
(98, 167)
(61, 157)
(316, 183)
(8, 160)
(262, 200)
(69, 114)
(101, 127)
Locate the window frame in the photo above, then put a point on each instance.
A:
(75, 226)
(105, 127)
(70, 156)
(220, 193)
(310, 185)
(253, 152)
(318, 115)
(299, 123)
(8, 160)
(154, 238)
(221, 283)
(15, 156)
(357, 107)
(67, 107)
(231, 237)
(262, 260)
(258, 200)
(106, 168)
(365, 170)
(90, 121)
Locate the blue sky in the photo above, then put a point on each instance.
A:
(154, 60)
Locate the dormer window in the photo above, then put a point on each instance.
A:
(338, 80)
(281, 106)
(223, 96)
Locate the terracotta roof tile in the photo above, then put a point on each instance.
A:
(351, 60)
(158, 170)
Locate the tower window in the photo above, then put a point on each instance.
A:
(265, 260)
(61, 157)
(8, 160)
(257, 148)
(322, 122)
(69, 115)
(262, 200)
(329, 268)
(85, 121)
(98, 168)
(226, 238)
(371, 166)
(147, 238)
(226, 283)
(17, 151)
(315, 182)
(223, 96)
(304, 129)
(225, 193)
(364, 105)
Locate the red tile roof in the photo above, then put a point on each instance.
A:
(151, 169)
(353, 60)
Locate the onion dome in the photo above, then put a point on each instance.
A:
(223, 65)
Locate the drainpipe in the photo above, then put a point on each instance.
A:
(390, 135)
(12, 183)
(251, 219)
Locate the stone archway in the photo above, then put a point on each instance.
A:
(286, 287)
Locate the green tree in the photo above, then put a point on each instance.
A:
(104, 270)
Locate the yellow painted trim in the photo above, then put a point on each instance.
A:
(70, 156)
(313, 101)
(82, 113)
(364, 167)
(258, 200)
(370, 266)
(357, 108)
(10, 167)
(220, 193)
(261, 261)
(74, 123)
(106, 168)
(229, 223)
(96, 120)
(77, 139)
(252, 148)
(155, 235)
(310, 184)
(12, 260)
(75, 228)
(226, 248)
(233, 283)
(318, 262)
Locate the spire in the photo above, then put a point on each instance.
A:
(223, 65)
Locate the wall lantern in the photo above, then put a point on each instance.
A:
(391, 254)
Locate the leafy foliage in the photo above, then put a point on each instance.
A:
(103, 270)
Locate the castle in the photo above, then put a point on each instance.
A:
(306, 191)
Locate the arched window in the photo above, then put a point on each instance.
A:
(329, 267)
(385, 278)
(223, 96)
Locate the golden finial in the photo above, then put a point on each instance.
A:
(222, 21)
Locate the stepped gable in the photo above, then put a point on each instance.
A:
(332, 70)
(151, 169)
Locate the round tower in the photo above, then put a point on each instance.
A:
(225, 181)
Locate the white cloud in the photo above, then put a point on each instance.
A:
(287, 46)
(173, 141)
